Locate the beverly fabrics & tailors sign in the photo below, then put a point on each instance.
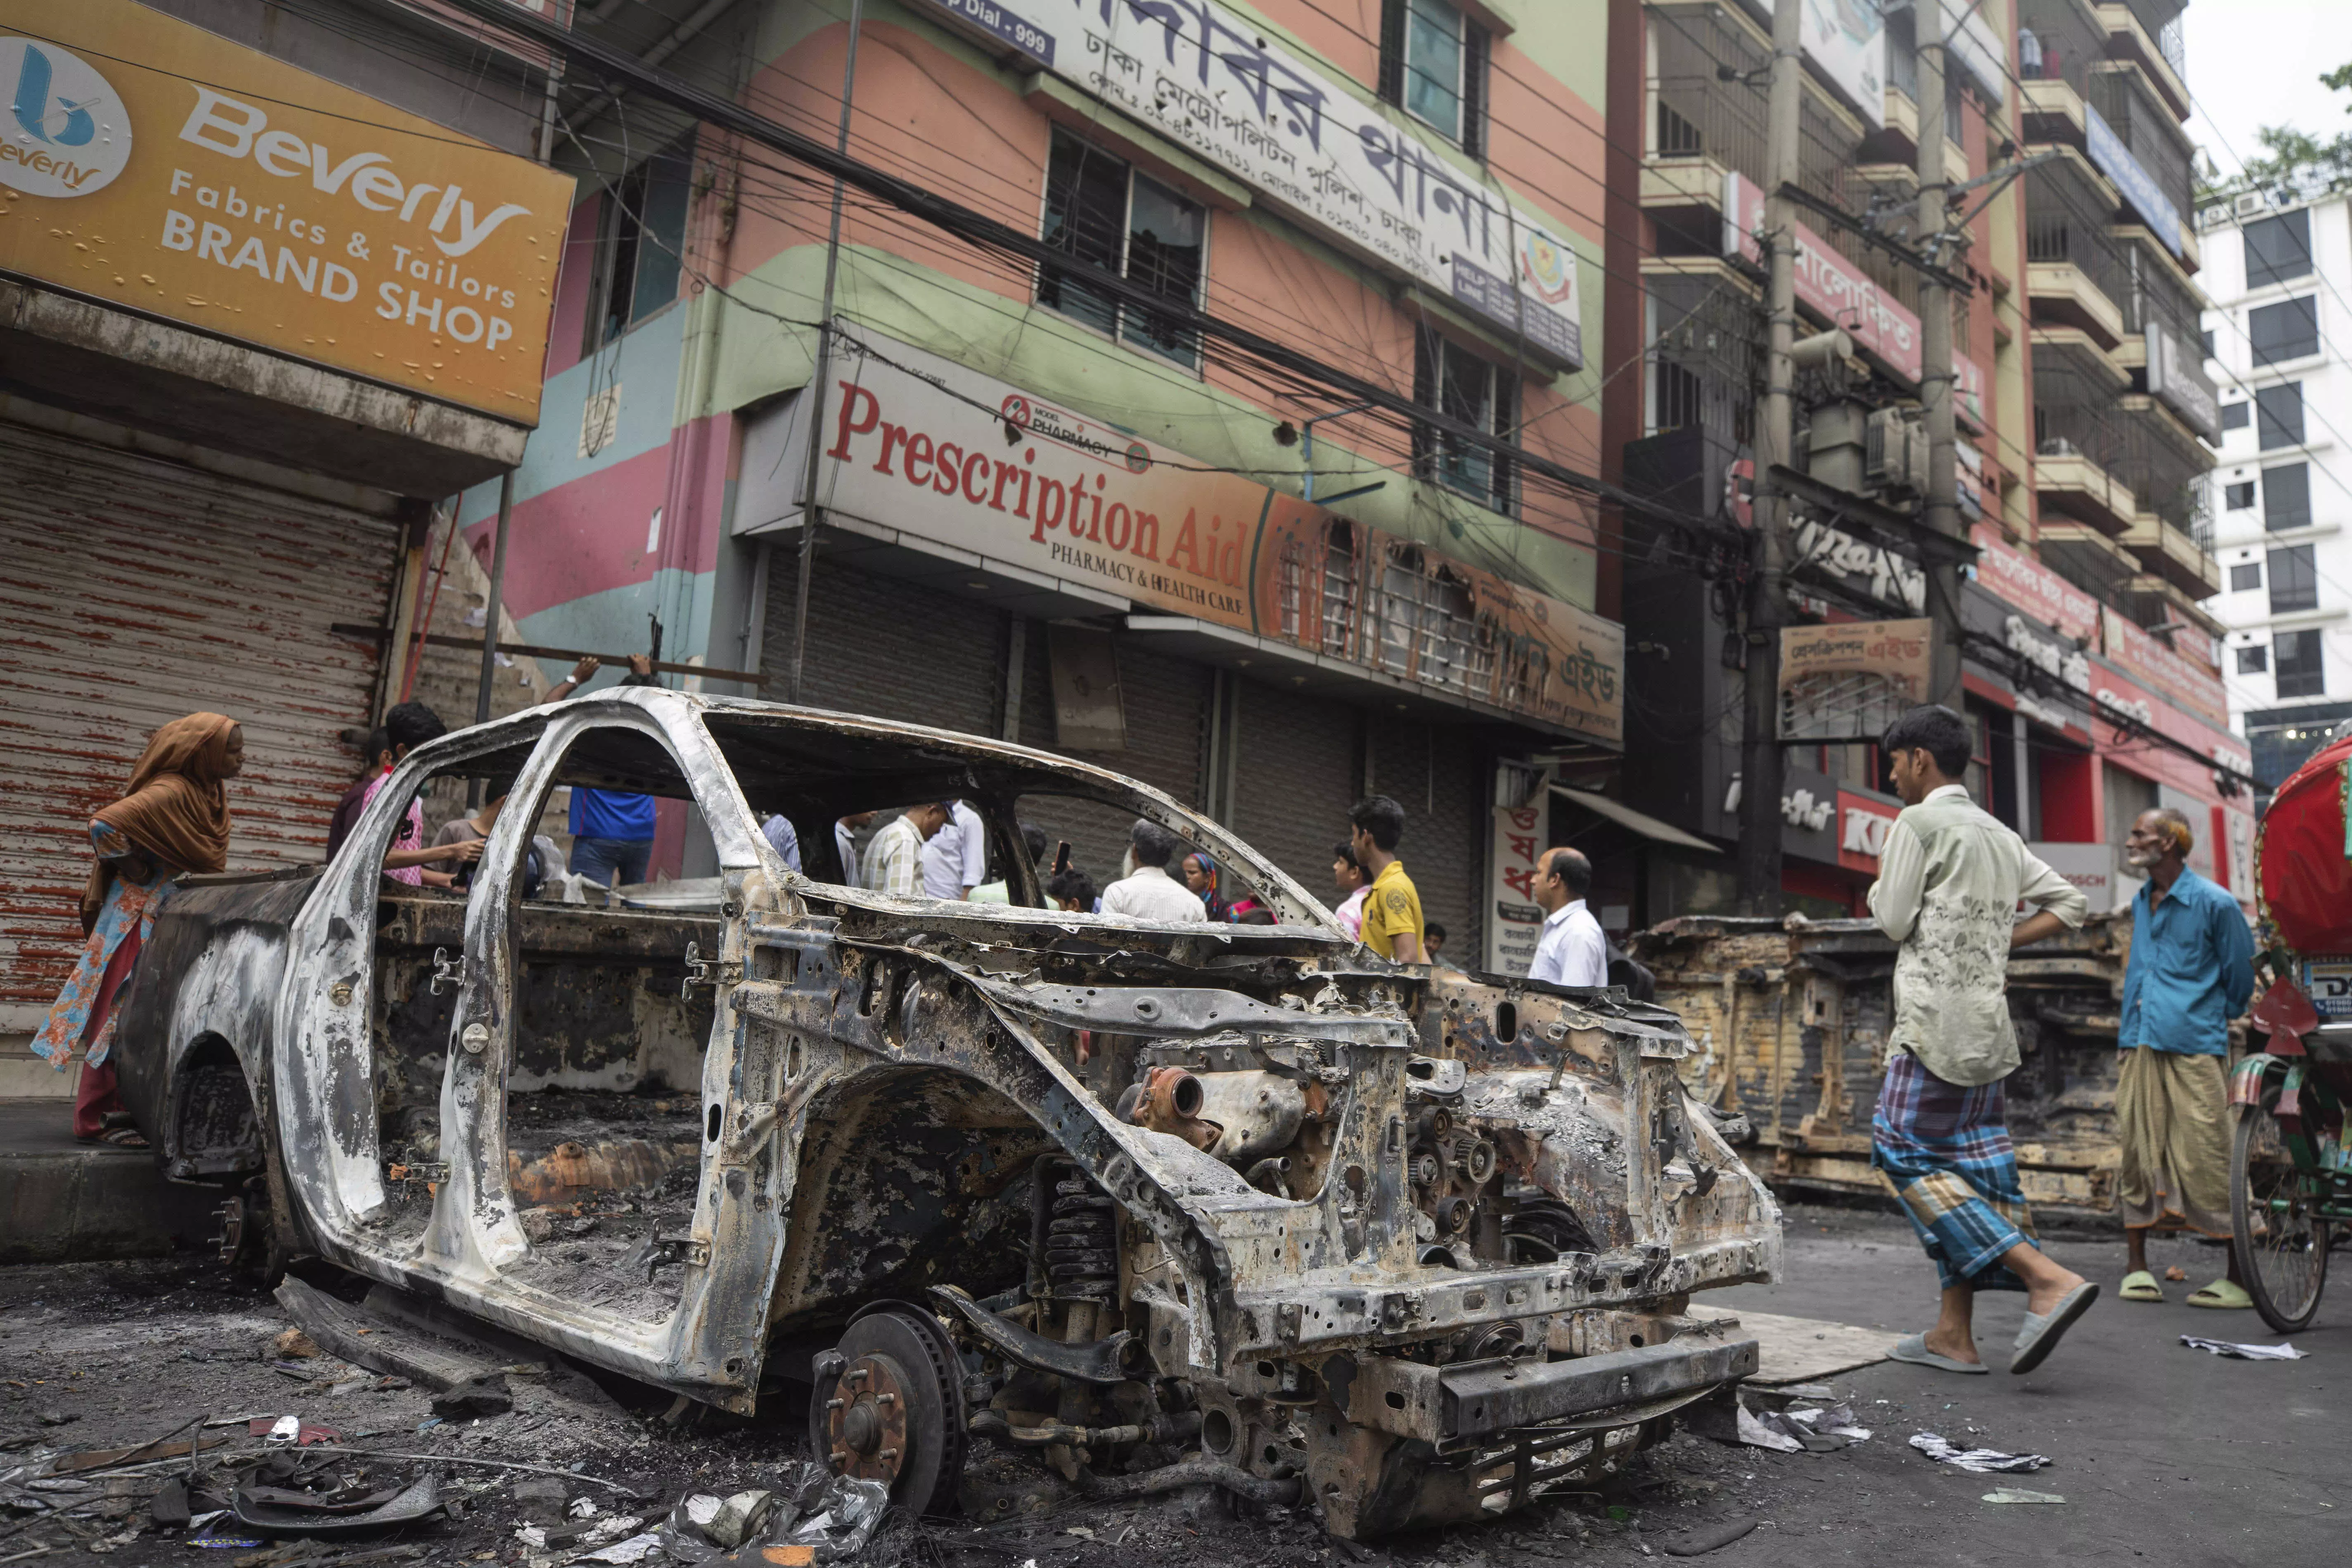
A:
(152, 165)
(918, 444)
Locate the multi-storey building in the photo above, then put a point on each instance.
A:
(1230, 578)
(2085, 422)
(2276, 270)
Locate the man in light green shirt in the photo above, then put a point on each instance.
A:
(1949, 880)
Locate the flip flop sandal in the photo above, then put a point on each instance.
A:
(2042, 1330)
(2221, 1294)
(120, 1137)
(2141, 1286)
(1913, 1348)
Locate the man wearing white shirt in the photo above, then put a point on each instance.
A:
(955, 860)
(844, 844)
(1572, 950)
(1151, 894)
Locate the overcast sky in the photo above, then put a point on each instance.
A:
(2257, 62)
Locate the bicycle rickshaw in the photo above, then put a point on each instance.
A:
(2290, 1170)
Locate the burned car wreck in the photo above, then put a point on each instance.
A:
(1245, 1202)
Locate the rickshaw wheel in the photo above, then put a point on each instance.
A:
(2280, 1240)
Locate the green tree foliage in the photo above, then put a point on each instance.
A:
(2308, 164)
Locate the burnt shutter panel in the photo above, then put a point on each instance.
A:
(1392, 85)
(135, 590)
(1477, 48)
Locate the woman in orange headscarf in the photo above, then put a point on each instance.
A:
(173, 820)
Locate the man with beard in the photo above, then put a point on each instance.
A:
(2191, 970)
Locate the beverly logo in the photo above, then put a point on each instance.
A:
(67, 134)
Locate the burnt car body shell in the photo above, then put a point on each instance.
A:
(858, 1041)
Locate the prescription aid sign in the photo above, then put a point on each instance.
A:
(151, 165)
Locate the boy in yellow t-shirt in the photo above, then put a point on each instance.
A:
(1392, 921)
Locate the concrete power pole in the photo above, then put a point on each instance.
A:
(1936, 355)
(1761, 759)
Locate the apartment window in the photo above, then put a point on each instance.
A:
(1434, 65)
(2278, 249)
(2207, 338)
(2253, 660)
(2278, 416)
(2287, 497)
(1464, 387)
(2300, 670)
(639, 243)
(2238, 498)
(1098, 210)
(2286, 331)
(2245, 579)
(2235, 416)
(2295, 580)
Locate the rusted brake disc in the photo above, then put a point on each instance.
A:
(866, 1419)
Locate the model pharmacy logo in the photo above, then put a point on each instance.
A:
(67, 134)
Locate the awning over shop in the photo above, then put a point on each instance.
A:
(1625, 816)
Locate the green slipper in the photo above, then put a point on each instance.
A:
(2220, 1293)
(2140, 1286)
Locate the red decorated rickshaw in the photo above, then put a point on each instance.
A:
(2290, 1173)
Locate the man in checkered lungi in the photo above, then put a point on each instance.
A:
(1949, 881)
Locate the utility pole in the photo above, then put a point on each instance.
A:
(822, 374)
(1935, 356)
(1761, 759)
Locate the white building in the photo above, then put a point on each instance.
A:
(2280, 335)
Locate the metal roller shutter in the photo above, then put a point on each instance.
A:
(881, 646)
(1294, 781)
(1439, 774)
(132, 592)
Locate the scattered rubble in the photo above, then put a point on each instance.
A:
(1983, 1461)
(2283, 1350)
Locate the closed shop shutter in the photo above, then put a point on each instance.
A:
(1439, 774)
(886, 648)
(1296, 779)
(132, 592)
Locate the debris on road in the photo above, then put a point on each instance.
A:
(1699, 1542)
(1983, 1461)
(2283, 1350)
(1793, 1428)
(2006, 1495)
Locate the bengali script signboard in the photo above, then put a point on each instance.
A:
(1835, 288)
(917, 443)
(2188, 683)
(153, 165)
(2021, 580)
(1850, 680)
(1209, 79)
(1519, 838)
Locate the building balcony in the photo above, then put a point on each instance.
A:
(2173, 554)
(2155, 600)
(2054, 113)
(2088, 557)
(2073, 350)
(1685, 197)
(2061, 293)
(2073, 486)
(2128, 40)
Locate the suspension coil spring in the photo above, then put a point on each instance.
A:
(1082, 1241)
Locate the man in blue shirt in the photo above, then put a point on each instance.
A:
(611, 831)
(2191, 970)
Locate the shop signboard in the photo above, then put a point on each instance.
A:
(2138, 186)
(1830, 552)
(1520, 840)
(2177, 378)
(1847, 41)
(1210, 80)
(912, 442)
(2032, 588)
(1848, 681)
(1862, 822)
(2187, 682)
(1827, 283)
(152, 165)
(2094, 869)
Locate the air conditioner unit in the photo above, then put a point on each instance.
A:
(1895, 452)
(2249, 203)
(2212, 217)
